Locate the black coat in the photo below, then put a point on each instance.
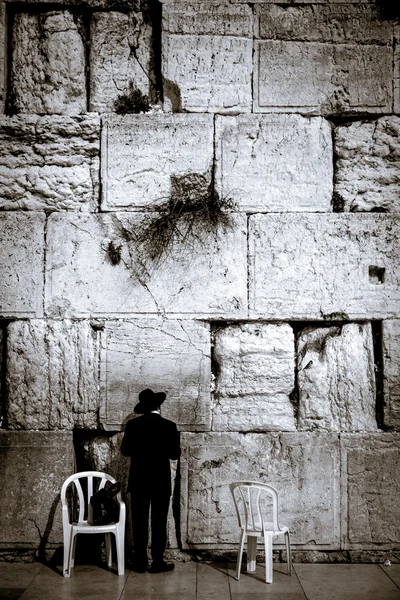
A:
(151, 441)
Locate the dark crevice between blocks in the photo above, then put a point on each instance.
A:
(377, 339)
(3, 375)
(152, 10)
(10, 107)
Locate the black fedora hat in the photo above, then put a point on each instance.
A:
(149, 400)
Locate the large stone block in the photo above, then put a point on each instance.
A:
(207, 57)
(120, 53)
(3, 45)
(33, 467)
(255, 376)
(368, 164)
(391, 372)
(370, 490)
(336, 378)
(396, 72)
(52, 375)
(303, 467)
(143, 153)
(194, 279)
(322, 60)
(48, 63)
(22, 263)
(324, 266)
(275, 163)
(164, 355)
(49, 163)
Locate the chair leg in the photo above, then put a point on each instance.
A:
(251, 553)
(268, 557)
(288, 553)
(73, 550)
(67, 551)
(240, 554)
(120, 543)
(108, 549)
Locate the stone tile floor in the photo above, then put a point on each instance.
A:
(200, 581)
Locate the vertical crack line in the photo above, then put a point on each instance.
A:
(9, 95)
(45, 231)
(248, 262)
(86, 21)
(253, 55)
(103, 155)
(155, 11)
(3, 375)
(377, 341)
(294, 396)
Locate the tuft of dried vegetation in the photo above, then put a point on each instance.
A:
(133, 102)
(114, 253)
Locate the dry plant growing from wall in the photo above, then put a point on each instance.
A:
(132, 102)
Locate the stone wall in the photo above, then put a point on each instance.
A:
(273, 325)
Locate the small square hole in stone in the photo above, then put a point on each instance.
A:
(376, 275)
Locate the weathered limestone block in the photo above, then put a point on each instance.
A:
(52, 375)
(3, 45)
(170, 356)
(303, 467)
(329, 266)
(21, 260)
(396, 71)
(120, 53)
(275, 163)
(255, 377)
(143, 153)
(48, 63)
(194, 279)
(322, 60)
(33, 467)
(49, 163)
(207, 57)
(391, 372)
(371, 488)
(336, 378)
(368, 164)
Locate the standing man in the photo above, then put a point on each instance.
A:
(151, 441)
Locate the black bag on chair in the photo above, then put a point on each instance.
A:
(104, 506)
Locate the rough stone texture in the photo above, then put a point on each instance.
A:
(52, 375)
(198, 279)
(275, 163)
(255, 377)
(322, 59)
(368, 164)
(171, 356)
(396, 72)
(336, 378)
(3, 43)
(21, 260)
(33, 466)
(370, 484)
(141, 154)
(48, 63)
(120, 53)
(49, 163)
(329, 266)
(391, 371)
(303, 467)
(206, 67)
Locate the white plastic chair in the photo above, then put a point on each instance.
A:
(82, 526)
(253, 507)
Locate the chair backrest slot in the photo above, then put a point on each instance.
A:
(254, 512)
(89, 475)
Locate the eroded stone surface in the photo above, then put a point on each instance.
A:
(21, 260)
(34, 465)
(163, 355)
(367, 165)
(336, 378)
(370, 483)
(48, 63)
(396, 72)
(255, 377)
(391, 371)
(49, 163)
(120, 53)
(196, 279)
(275, 163)
(52, 375)
(303, 467)
(206, 67)
(142, 153)
(324, 266)
(2, 55)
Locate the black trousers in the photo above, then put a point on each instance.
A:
(142, 500)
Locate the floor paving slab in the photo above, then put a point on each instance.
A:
(393, 572)
(254, 583)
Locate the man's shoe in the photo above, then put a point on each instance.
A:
(140, 566)
(161, 567)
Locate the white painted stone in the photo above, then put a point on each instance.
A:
(48, 64)
(143, 152)
(207, 279)
(391, 372)
(275, 163)
(368, 164)
(52, 371)
(324, 266)
(49, 163)
(163, 355)
(120, 53)
(396, 71)
(303, 467)
(336, 378)
(255, 377)
(207, 57)
(3, 45)
(21, 260)
(370, 490)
